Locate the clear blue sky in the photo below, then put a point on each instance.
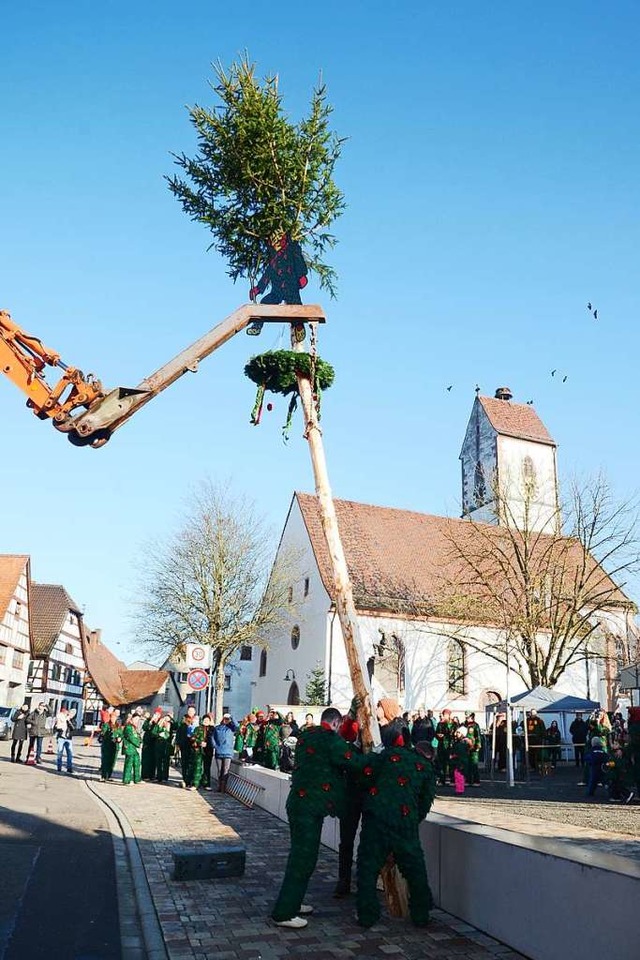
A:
(492, 184)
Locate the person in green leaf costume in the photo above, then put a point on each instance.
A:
(317, 791)
(111, 733)
(196, 743)
(271, 755)
(250, 738)
(474, 735)
(131, 740)
(163, 733)
(403, 786)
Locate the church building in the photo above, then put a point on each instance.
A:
(418, 652)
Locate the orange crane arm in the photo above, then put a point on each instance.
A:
(23, 357)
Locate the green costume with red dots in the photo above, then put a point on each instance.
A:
(403, 786)
(317, 791)
(195, 757)
(131, 750)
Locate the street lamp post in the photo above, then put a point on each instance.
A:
(510, 775)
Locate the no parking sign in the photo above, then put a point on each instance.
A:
(198, 679)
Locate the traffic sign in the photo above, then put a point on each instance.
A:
(198, 679)
(197, 655)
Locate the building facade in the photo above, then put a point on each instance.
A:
(417, 652)
(57, 668)
(15, 638)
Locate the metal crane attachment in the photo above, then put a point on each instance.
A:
(79, 405)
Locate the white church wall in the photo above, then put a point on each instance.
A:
(309, 612)
(426, 657)
(541, 498)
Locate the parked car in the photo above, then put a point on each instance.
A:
(6, 723)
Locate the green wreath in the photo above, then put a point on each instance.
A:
(276, 371)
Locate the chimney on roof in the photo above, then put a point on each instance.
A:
(95, 636)
(503, 393)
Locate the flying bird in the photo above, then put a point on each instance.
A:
(595, 314)
(553, 373)
(589, 305)
(449, 388)
(564, 379)
(529, 403)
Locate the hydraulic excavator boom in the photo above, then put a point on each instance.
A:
(79, 406)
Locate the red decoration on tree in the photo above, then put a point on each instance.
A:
(310, 750)
(419, 766)
(373, 791)
(395, 758)
(326, 787)
(404, 810)
(403, 781)
(367, 771)
(348, 755)
(302, 793)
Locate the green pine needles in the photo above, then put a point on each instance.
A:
(256, 174)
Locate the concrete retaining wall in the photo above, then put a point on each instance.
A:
(546, 900)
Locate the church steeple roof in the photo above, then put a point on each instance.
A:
(515, 420)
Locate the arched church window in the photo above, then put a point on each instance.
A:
(295, 637)
(479, 485)
(529, 474)
(263, 663)
(293, 699)
(455, 666)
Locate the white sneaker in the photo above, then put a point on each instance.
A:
(297, 923)
(305, 910)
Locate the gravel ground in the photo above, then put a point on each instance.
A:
(557, 797)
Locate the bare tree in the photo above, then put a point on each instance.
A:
(551, 596)
(212, 582)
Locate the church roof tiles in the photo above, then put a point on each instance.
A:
(404, 562)
(515, 420)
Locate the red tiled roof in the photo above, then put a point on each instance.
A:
(399, 559)
(116, 684)
(515, 420)
(49, 606)
(11, 569)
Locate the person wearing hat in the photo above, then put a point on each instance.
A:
(474, 736)
(445, 732)
(401, 792)
(196, 743)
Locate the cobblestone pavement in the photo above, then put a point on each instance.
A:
(228, 919)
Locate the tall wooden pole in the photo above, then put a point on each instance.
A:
(345, 606)
(394, 885)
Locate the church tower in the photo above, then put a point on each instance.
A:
(509, 473)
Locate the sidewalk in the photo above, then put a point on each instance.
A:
(228, 919)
